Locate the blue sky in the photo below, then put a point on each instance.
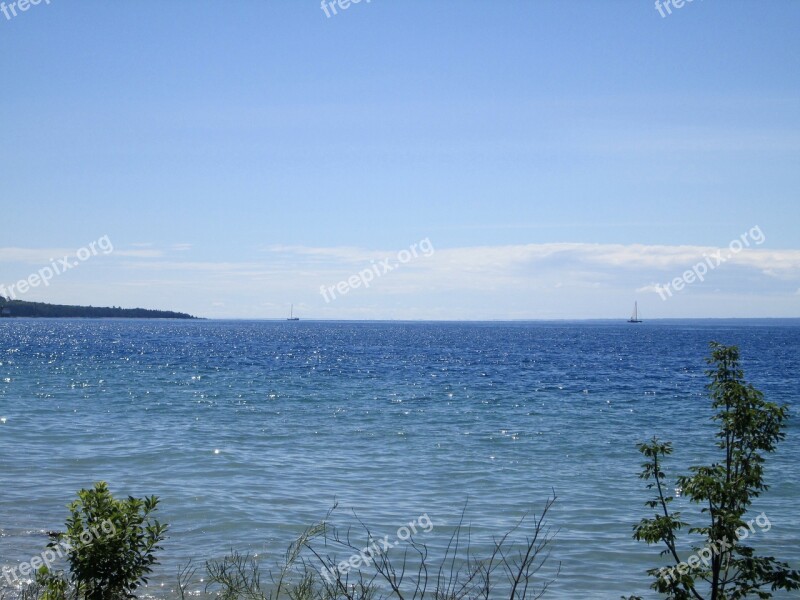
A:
(561, 157)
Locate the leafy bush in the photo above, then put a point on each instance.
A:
(111, 547)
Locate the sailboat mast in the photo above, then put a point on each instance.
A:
(635, 316)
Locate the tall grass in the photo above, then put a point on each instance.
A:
(513, 566)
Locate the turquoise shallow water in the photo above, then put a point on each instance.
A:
(248, 431)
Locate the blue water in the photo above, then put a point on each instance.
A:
(249, 431)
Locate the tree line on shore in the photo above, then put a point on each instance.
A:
(21, 308)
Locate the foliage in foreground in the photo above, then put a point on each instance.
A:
(112, 566)
(723, 568)
(111, 547)
(108, 562)
(309, 569)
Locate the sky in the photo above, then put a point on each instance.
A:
(481, 159)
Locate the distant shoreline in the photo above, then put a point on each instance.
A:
(604, 321)
(42, 310)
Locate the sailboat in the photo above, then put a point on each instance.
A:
(635, 316)
(291, 315)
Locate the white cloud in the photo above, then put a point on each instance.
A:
(652, 287)
(612, 256)
(553, 280)
(139, 253)
(537, 266)
(197, 266)
(41, 256)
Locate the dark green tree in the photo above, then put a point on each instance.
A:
(111, 547)
(723, 568)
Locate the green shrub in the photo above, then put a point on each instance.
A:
(111, 547)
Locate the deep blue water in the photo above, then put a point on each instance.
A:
(248, 431)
